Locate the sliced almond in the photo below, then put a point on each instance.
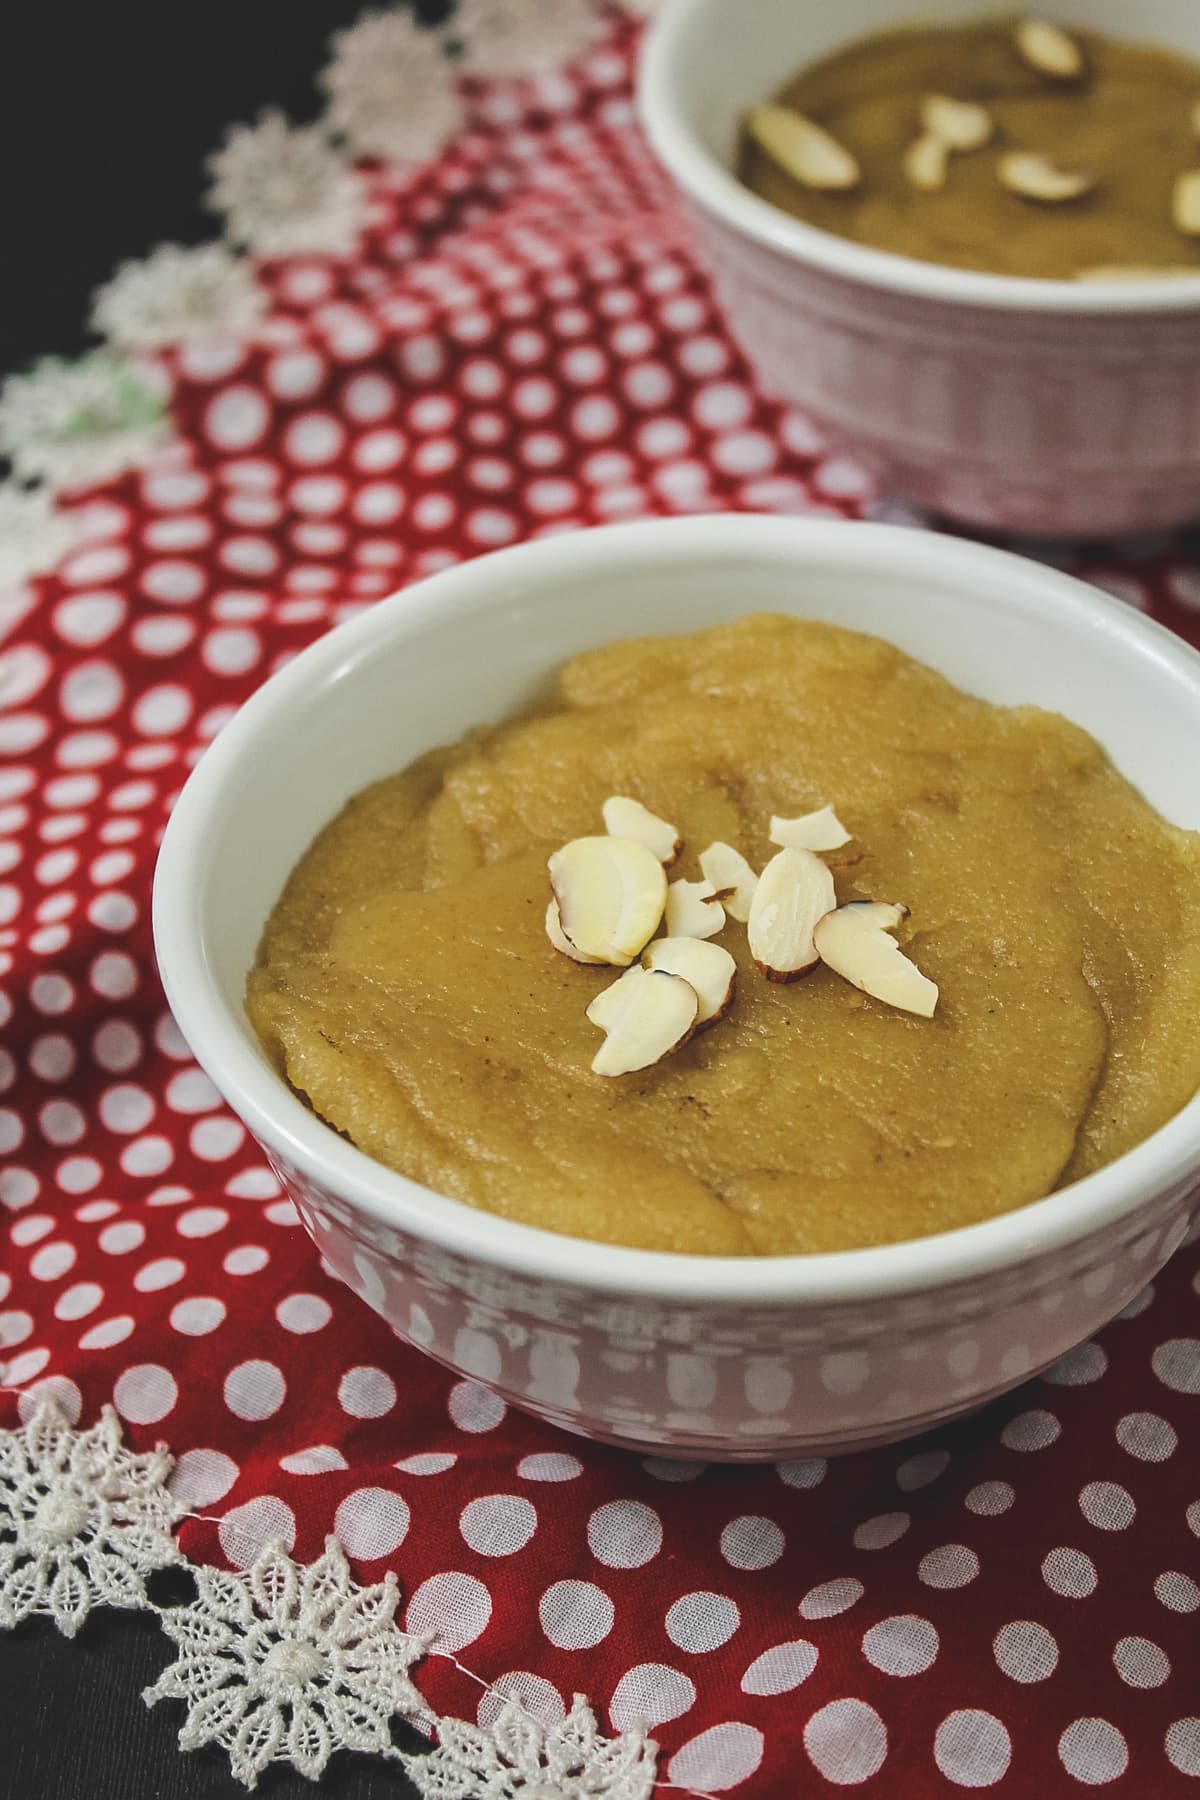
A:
(1195, 117)
(707, 967)
(626, 818)
(610, 894)
(1133, 272)
(1035, 177)
(821, 830)
(644, 1015)
(854, 943)
(794, 891)
(559, 938)
(802, 148)
(1185, 203)
(693, 910)
(1048, 49)
(959, 124)
(732, 877)
(926, 162)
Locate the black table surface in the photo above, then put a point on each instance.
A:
(106, 116)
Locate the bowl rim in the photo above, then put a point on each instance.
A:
(709, 185)
(286, 1127)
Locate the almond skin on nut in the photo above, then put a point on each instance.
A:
(794, 892)
(559, 938)
(693, 910)
(626, 818)
(610, 894)
(732, 876)
(644, 1015)
(854, 943)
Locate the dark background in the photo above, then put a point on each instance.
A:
(107, 112)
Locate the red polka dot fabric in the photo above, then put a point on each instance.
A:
(522, 344)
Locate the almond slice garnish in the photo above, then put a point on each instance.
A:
(693, 910)
(1185, 203)
(1035, 177)
(802, 148)
(821, 830)
(706, 967)
(610, 894)
(1132, 272)
(854, 943)
(1048, 49)
(958, 124)
(644, 1015)
(926, 162)
(794, 891)
(1195, 117)
(732, 877)
(626, 818)
(559, 938)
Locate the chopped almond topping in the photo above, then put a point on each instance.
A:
(693, 910)
(610, 894)
(821, 830)
(854, 942)
(802, 148)
(644, 1015)
(1185, 203)
(732, 877)
(626, 818)
(707, 967)
(559, 938)
(1049, 49)
(927, 162)
(1035, 177)
(794, 891)
(958, 124)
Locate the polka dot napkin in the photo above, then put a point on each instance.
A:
(519, 343)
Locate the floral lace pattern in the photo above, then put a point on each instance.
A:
(521, 1759)
(74, 424)
(83, 1520)
(178, 296)
(284, 190)
(391, 88)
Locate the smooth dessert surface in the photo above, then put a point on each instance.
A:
(1127, 123)
(406, 986)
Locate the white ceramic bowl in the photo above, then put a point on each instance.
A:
(1034, 406)
(740, 1358)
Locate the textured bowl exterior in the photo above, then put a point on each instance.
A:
(713, 1357)
(1043, 407)
(1054, 424)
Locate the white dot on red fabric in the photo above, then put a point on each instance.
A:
(236, 418)
(1069, 1572)
(475, 1408)
(1177, 1592)
(126, 1108)
(808, 1472)
(549, 1465)
(576, 1615)
(751, 1542)
(498, 1524)
(365, 1392)
(537, 1696)
(78, 1301)
(18, 1187)
(191, 1092)
(52, 1057)
(949, 1566)
(249, 555)
(1182, 1745)
(103, 563)
(147, 1156)
(197, 1316)
(846, 1741)
(1147, 1437)
(1107, 1505)
(780, 1669)
(163, 1272)
(650, 1694)
(95, 1210)
(214, 1140)
(829, 1598)
(721, 1757)
(179, 533)
(24, 1367)
(61, 1122)
(1177, 1365)
(201, 1477)
(1025, 1651)
(282, 1213)
(319, 1459)
(452, 1608)
(117, 1046)
(59, 1388)
(702, 1621)
(881, 1531)
(113, 912)
(202, 1221)
(625, 1534)
(202, 361)
(1141, 1663)
(903, 1645)
(92, 690)
(12, 1131)
(1034, 1430)
(427, 1462)
(258, 1183)
(114, 975)
(319, 494)
(145, 1393)
(87, 619)
(972, 1748)
(20, 732)
(246, 1530)
(1093, 1751)
(52, 1261)
(255, 1389)
(231, 649)
(107, 1333)
(31, 1230)
(296, 374)
(174, 489)
(314, 438)
(163, 637)
(371, 1522)
(304, 1313)
(15, 1327)
(173, 582)
(1193, 1518)
(247, 1259)
(1085, 1363)
(378, 450)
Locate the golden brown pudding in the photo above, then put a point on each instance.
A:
(406, 986)
(1074, 156)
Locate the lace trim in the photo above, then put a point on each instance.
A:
(285, 1662)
